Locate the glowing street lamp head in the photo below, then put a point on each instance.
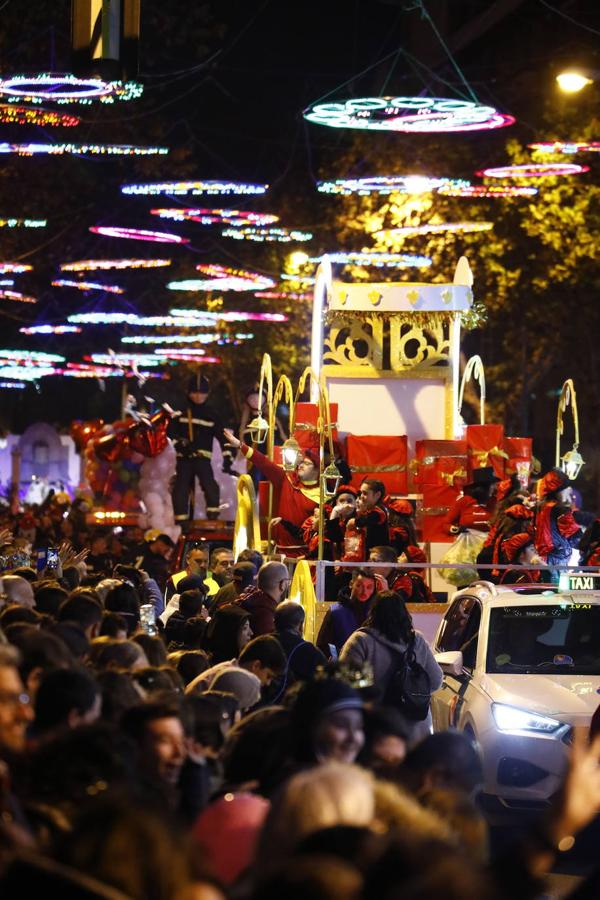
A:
(572, 81)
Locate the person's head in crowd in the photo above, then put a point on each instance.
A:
(386, 738)
(192, 605)
(196, 561)
(221, 565)
(259, 750)
(386, 556)
(290, 616)
(129, 574)
(362, 585)
(244, 574)
(119, 693)
(228, 633)
(191, 583)
(204, 724)
(13, 614)
(264, 657)
(124, 599)
(26, 572)
(370, 494)
(194, 633)
(447, 759)
(307, 469)
(154, 648)
(98, 544)
(113, 625)
(162, 545)
(16, 589)
(41, 652)
(15, 709)
(273, 578)
(157, 729)
(228, 706)
(252, 556)
(83, 609)
(227, 833)
(327, 721)
(108, 653)
(66, 698)
(319, 876)
(389, 616)
(105, 585)
(242, 684)
(73, 636)
(71, 577)
(344, 501)
(87, 589)
(464, 819)
(189, 663)
(48, 597)
(158, 681)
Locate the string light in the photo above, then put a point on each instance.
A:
(194, 188)
(32, 356)
(183, 338)
(33, 149)
(387, 184)
(66, 88)
(138, 234)
(215, 216)
(12, 268)
(94, 265)
(88, 286)
(51, 329)
(189, 318)
(17, 296)
(222, 278)
(16, 385)
(7, 282)
(301, 279)
(23, 223)
(119, 359)
(376, 258)
(533, 170)
(283, 295)
(566, 147)
(489, 191)
(279, 235)
(230, 316)
(408, 114)
(91, 370)
(186, 356)
(45, 118)
(429, 228)
(26, 372)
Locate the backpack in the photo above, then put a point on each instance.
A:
(409, 688)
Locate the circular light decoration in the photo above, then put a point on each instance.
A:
(428, 228)
(12, 268)
(119, 359)
(88, 286)
(7, 282)
(213, 338)
(387, 184)
(566, 147)
(186, 356)
(34, 149)
(189, 318)
(24, 372)
(16, 385)
(26, 115)
(94, 265)
(23, 223)
(489, 191)
(138, 234)
(17, 296)
(51, 329)
(230, 316)
(66, 88)
(195, 188)
(283, 295)
(222, 278)
(376, 258)
(407, 114)
(215, 216)
(91, 370)
(533, 170)
(32, 356)
(267, 235)
(301, 279)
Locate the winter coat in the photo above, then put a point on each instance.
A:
(261, 608)
(370, 645)
(341, 619)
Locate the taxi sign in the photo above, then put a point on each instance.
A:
(579, 581)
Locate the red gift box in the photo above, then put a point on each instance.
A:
(306, 420)
(440, 463)
(518, 450)
(437, 501)
(379, 456)
(486, 448)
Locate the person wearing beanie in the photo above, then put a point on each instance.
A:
(401, 516)
(327, 722)
(244, 685)
(193, 433)
(296, 494)
(556, 531)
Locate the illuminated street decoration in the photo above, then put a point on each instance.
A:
(429, 228)
(16, 385)
(94, 265)
(34, 148)
(375, 258)
(222, 278)
(388, 184)
(24, 372)
(92, 370)
(188, 318)
(124, 359)
(489, 191)
(28, 115)
(88, 286)
(7, 282)
(283, 295)
(66, 88)
(269, 235)
(31, 356)
(301, 279)
(533, 170)
(138, 234)
(566, 147)
(184, 338)
(17, 296)
(407, 114)
(194, 188)
(205, 216)
(51, 329)
(231, 316)
(190, 356)
(13, 268)
(23, 223)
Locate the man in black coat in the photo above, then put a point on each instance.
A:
(303, 657)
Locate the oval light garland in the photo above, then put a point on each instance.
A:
(24, 372)
(88, 286)
(138, 234)
(51, 329)
(216, 216)
(17, 296)
(118, 359)
(533, 170)
(26, 115)
(23, 223)
(12, 268)
(375, 258)
(187, 356)
(442, 228)
(188, 318)
(566, 147)
(94, 265)
(222, 278)
(182, 338)
(408, 114)
(283, 295)
(301, 279)
(195, 188)
(33, 149)
(267, 235)
(230, 316)
(16, 385)
(489, 191)
(67, 88)
(32, 356)
(388, 184)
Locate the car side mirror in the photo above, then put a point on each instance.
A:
(451, 662)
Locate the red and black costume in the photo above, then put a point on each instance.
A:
(365, 531)
(556, 531)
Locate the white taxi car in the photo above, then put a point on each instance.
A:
(521, 670)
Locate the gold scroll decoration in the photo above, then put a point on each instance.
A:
(355, 342)
(414, 346)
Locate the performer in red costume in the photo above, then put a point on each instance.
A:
(556, 531)
(474, 509)
(296, 494)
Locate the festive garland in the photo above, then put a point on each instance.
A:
(13, 268)
(66, 88)
(428, 228)
(533, 170)
(17, 296)
(93, 265)
(51, 329)
(489, 191)
(33, 149)
(272, 235)
(222, 278)
(184, 338)
(215, 216)
(195, 188)
(375, 258)
(388, 184)
(566, 147)
(31, 356)
(88, 286)
(45, 118)
(138, 234)
(23, 223)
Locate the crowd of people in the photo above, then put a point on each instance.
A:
(172, 734)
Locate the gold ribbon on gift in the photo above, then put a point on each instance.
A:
(483, 456)
(390, 468)
(306, 426)
(449, 477)
(435, 510)
(431, 460)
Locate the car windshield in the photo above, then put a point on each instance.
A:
(560, 638)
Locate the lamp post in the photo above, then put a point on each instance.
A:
(572, 81)
(571, 462)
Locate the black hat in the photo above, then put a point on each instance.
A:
(483, 477)
(198, 384)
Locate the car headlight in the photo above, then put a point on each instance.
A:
(510, 718)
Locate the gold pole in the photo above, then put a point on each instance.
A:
(567, 397)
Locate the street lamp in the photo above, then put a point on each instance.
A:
(571, 81)
(291, 454)
(572, 461)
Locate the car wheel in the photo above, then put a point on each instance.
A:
(470, 734)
